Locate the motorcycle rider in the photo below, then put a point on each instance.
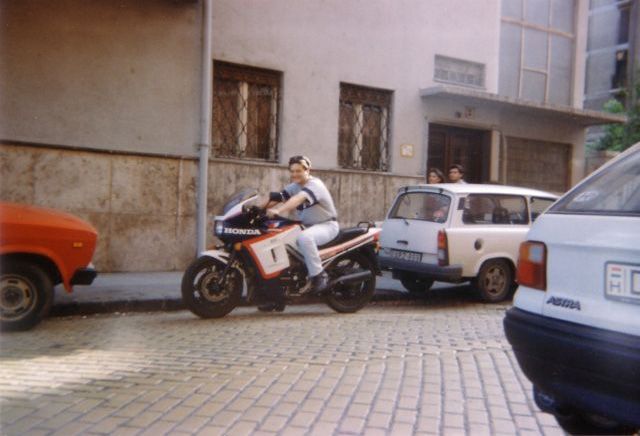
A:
(315, 208)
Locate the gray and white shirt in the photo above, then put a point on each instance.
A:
(318, 206)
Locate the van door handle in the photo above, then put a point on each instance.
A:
(400, 241)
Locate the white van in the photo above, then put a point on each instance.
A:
(454, 232)
(575, 325)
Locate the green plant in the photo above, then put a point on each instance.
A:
(618, 137)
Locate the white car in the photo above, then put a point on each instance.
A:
(575, 324)
(454, 232)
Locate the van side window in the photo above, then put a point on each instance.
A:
(495, 209)
(539, 205)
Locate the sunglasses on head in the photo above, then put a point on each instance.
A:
(302, 160)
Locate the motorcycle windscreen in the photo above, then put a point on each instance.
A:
(237, 198)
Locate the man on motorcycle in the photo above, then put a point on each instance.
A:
(315, 208)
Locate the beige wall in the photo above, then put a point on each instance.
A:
(144, 207)
(384, 44)
(124, 75)
(116, 75)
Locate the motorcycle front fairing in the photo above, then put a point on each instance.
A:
(234, 225)
(262, 243)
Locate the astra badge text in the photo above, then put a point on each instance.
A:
(564, 302)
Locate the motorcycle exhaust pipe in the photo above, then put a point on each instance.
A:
(353, 278)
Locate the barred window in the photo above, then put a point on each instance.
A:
(363, 138)
(459, 71)
(245, 112)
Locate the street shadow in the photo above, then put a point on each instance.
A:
(448, 296)
(53, 349)
(252, 312)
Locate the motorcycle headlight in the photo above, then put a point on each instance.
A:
(218, 228)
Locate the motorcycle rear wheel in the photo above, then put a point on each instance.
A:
(349, 298)
(202, 295)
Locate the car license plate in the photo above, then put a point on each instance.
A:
(622, 281)
(406, 255)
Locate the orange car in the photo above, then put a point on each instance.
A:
(40, 248)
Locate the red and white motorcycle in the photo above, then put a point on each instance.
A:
(259, 254)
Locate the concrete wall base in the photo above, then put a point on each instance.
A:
(144, 206)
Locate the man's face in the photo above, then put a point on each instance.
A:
(299, 174)
(454, 174)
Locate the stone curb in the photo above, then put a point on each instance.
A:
(173, 304)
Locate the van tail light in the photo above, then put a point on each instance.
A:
(532, 265)
(443, 249)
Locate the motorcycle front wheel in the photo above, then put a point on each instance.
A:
(202, 292)
(351, 297)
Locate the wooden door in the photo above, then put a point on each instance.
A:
(455, 145)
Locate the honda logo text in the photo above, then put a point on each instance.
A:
(233, 231)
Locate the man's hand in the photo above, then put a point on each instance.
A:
(287, 206)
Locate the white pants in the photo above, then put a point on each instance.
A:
(310, 238)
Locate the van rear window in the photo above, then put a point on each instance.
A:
(615, 191)
(425, 206)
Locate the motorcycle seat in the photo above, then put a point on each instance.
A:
(344, 235)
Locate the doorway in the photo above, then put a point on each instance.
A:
(456, 145)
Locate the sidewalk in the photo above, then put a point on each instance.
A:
(135, 292)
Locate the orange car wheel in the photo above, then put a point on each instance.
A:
(26, 295)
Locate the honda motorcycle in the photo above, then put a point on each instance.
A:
(259, 258)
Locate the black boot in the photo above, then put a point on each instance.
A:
(320, 283)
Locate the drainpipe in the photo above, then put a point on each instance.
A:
(205, 129)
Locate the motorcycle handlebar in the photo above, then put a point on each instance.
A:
(260, 214)
(254, 210)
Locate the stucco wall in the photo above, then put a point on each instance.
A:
(101, 74)
(384, 44)
(144, 206)
(125, 75)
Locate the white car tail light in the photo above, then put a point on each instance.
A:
(532, 265)
(443, 249)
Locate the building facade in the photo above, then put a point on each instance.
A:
(613, 58)
(613, 52)
(100, 106)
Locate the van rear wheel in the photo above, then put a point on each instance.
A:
(494, 281)
(416, 285)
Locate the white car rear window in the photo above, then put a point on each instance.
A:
(615, 191)
(426, 206)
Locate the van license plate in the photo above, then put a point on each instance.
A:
(622, 281)
(406, 255)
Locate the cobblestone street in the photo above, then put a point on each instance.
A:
(427, 368)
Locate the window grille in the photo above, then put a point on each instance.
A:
(363, 139)
(245, 112)
(459, 71)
